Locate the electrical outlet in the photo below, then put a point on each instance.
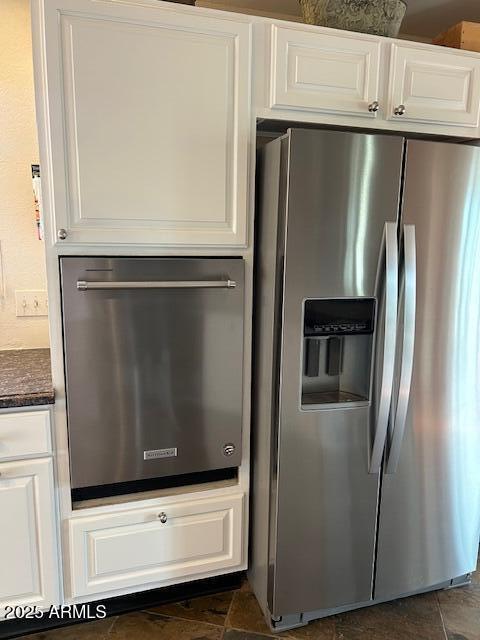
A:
(31, 303)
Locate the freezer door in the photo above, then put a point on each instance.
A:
(342, 190)
(153, 355)
(430, 505)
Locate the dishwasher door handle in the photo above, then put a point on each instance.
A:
(85, 285)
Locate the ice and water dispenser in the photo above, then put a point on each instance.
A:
(337, 352)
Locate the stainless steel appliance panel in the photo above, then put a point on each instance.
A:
(154, 366)
(430, 507)
(342, 189)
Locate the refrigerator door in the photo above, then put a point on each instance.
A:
(342, 190)
(153, 355)
(430, 504)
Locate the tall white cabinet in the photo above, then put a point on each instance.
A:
(148, 115)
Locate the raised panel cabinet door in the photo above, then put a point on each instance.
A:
(327, 71)
(165, 544)
(147, 125)
(434, 85)
(29, 568)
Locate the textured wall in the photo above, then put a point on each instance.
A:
(22, 252)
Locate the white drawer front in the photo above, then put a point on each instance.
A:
(133, 548)
(24, 434)
(322, 72)
(434, 86)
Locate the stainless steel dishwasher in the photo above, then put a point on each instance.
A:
(154, 367)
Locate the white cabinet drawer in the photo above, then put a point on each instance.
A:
(24, 434)
(434, 86)
(326, 71)
(137, 547)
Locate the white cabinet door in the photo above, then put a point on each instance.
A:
(324, 70)
(148, 122)
(29, 570)
(165, 544)
(434, 85)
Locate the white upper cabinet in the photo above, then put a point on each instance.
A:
(145, 110)
(147, 118)
(324, 71)
(332, 76)
(434, 85)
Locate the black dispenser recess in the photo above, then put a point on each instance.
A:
(337, 352)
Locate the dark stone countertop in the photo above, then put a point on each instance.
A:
(25, 378)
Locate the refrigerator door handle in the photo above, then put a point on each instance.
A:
(408, 347)
(390, 246)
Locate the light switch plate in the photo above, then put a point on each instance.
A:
(31, 303)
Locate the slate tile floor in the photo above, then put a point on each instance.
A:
(235, 615)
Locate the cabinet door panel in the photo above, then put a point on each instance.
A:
(434, 86)
(153, 147)
(27, 535)
(324, 71)
(138, 547)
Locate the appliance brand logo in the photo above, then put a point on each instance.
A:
(154, 454)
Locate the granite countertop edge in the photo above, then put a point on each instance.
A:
(26, 400)
(25, 378)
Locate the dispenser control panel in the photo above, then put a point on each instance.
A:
(339, 317)
(337, 352)
(342, 326)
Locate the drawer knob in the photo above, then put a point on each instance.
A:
(61, 234)
(162, 517)
(374, 106)
(400, 110)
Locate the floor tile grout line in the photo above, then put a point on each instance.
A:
(225, 622)
(334, 630)
(441, 616)
(112, 624)
(163, 615)
(259, 633)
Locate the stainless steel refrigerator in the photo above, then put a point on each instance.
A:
(366, 482)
